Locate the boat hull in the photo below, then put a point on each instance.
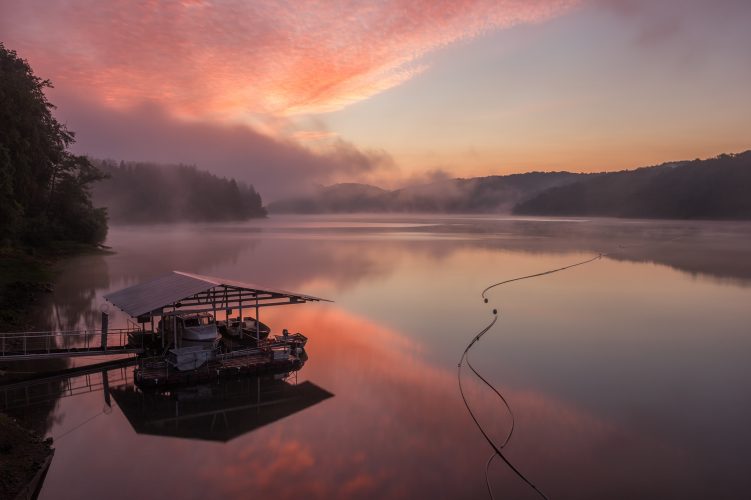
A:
(189, 358)
(207, 333)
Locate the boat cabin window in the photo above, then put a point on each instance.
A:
(191, 322)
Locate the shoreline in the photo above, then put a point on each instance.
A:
(26, 280)
(25, 458)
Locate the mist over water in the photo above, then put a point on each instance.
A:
(628, 377)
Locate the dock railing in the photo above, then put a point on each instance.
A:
(19, 345)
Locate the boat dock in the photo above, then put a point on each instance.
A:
(182, 344)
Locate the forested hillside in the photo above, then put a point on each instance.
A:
(142, 193)
(716, 188)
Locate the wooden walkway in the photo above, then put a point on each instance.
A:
(65, 344)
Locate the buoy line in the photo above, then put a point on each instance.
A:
(498, 448)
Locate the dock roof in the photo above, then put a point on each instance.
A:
(181, 288)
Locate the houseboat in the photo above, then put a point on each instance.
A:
(191, 327)
(182, 349)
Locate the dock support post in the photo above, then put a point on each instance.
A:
(174, 325)
(240, 324)
(105, 328)
(106, 388)
(258, 322)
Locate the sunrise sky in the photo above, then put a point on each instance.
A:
(290, 94)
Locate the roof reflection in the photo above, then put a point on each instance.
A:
(216, 412)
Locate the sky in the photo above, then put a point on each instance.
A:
(292, 94)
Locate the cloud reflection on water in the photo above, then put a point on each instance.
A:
(399, 430)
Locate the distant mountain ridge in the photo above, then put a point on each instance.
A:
(475, 195)
(714, 188)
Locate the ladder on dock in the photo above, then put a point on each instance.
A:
(65, 344)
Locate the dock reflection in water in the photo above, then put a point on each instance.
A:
(219, 411)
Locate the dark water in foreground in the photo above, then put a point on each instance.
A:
(628, 377)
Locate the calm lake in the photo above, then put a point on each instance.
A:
(628, 377)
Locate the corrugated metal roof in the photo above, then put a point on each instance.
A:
(175, 286)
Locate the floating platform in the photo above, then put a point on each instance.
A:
(158, 372)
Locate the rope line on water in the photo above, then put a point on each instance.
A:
(497, 449)
(598, 256)
(508, 407)
(103, 412)
(487, 474)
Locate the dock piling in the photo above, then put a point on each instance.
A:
(105, 327)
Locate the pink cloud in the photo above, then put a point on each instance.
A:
(232, 60)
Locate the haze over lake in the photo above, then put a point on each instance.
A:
(628, 376)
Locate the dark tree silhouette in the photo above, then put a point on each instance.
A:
(44, 189)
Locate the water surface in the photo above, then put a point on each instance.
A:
(628, 377)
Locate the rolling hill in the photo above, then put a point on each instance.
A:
(715, 188)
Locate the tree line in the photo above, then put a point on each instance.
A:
(48, 194)
(714, 188)
(142, 193)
